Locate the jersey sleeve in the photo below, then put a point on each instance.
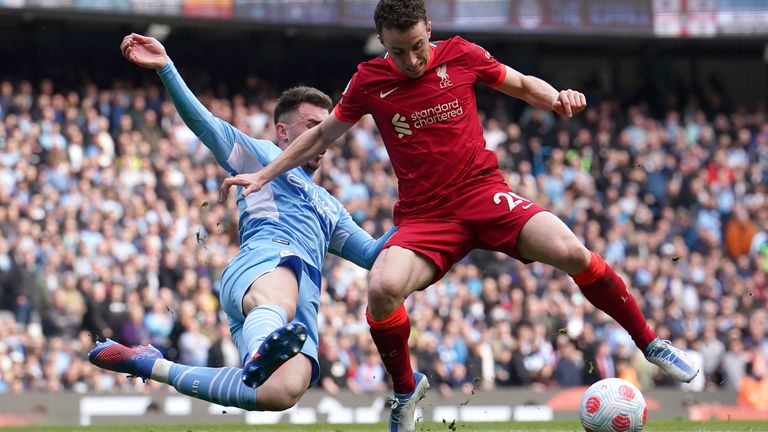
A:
(218, 135)
(350, 108)
(352, 243)
(486, 68)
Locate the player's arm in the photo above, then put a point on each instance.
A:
(215, 133)
(541, 94)
(308, 145)
(352, 243)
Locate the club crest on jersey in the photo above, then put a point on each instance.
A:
(442, 73)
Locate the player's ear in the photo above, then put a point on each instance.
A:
(281, 130)
(429, 29)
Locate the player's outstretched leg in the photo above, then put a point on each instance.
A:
(221, 386)
(116, 357)
(606, 290)
(673, 361)
(278, 347)
(547, 239)
(403, 415)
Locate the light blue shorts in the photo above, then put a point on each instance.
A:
(254, 260)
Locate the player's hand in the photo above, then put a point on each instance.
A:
(144, 51)
(569, 102)
(251, 182)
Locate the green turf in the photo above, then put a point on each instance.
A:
(568, 426)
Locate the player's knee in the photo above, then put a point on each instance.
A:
(568, 254)
(575, 255)
(289, 306)
(382, 286)
(286, 397)
(254, 298)
(284, 402)
(292, 394)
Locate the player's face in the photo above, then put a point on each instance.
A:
(305, 117)
(409, 49)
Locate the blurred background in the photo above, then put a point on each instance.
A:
(110, 224)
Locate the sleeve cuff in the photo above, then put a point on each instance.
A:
(167, 68)
(342, 117)
(502, 76)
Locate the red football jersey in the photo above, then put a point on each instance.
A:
(429, 124)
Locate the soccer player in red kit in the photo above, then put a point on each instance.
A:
(452, 195)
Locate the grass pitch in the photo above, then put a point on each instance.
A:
(562, 426)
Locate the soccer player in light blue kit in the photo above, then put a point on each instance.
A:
(271, 288)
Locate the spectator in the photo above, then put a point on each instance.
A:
(712, 350)
(223, 352)
(734, 363)
(369, 376)
(568, 371)
(753, 389)
(193, 346)
(334, 373)
(739, 232)
(96, 318)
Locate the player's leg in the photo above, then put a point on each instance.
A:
(290, 380)
(418, 255)
(545, 238)
(225, 386)
(513, 224)
(396, 274)
(271, 339)
(286, 386)
(222, 386)
(260, 290)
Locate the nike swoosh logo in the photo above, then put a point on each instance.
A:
(385, 94)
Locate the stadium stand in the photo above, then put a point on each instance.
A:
(111, 227)
(110, 224)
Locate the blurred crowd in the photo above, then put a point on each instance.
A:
(110, 226)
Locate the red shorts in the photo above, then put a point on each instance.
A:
(482, 213)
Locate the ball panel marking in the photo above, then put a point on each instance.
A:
(621, 423)
(593, 404)
(627, 392)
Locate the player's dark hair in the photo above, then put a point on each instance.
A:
(399, 14)
(290, 100)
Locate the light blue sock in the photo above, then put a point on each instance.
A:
(260, 322)
(223, 386)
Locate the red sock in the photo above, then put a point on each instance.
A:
(391, 338)
(605, 289)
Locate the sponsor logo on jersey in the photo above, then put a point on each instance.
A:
(442, 73)
(313, 195)
(401, 126)
(436, 114)
(384, 94)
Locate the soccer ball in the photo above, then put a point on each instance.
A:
(613, 405)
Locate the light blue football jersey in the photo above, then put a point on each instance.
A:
(291, 210)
